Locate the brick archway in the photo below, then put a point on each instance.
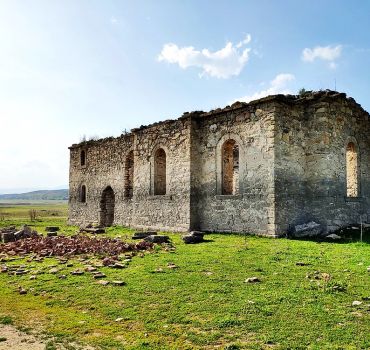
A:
(107, 202)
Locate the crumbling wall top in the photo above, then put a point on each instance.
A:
(306, 98)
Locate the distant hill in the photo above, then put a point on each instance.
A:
(38, 195)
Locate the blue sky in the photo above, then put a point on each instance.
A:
(83, 67)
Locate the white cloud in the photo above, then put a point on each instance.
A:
(326, 53)
(113, 20)
(246, 41)
(224, 63)
(276, 86)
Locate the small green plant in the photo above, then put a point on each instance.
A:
(232, 347)
(6, 320)
(302, 91)
(50, 346)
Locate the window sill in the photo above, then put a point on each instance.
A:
(228, 196)
(353, 199)
(167, 197)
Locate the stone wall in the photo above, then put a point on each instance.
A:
(310, 162)
(251, 209)
(106, 162)
(260, 168)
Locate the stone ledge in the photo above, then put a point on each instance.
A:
(354, 199)
(228, 196)
(166, 197)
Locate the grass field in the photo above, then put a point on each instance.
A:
(205, 303)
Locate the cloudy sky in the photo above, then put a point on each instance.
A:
(70, 68)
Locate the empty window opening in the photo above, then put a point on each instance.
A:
(83, 158)
(352, 170)
(107, 207)
(129, 175)
(83, 194)
(160, 172)
(230, 168)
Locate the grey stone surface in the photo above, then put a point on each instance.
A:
(157, 239)
(310, 229)
(292, 169)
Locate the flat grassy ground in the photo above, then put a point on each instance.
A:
(205, 303)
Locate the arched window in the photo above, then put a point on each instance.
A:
(129, 175)
(352, 170)
(83, 158)
(83, 194)
(160, 172)
(230, 168)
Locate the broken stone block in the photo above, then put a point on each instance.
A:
(103, 282)
(193, 237)
(18, 235)
(142, 235)
(51, 228)
(157, 239)
(99, 275)
(52, 234)
(22, 291)
(118, 283)
(252, 280)
(334, 237)
(310, 229)
(8, 237)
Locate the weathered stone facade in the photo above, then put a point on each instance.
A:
(261, 167)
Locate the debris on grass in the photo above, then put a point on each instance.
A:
(253, 280)
(73, 245)
(118, 283)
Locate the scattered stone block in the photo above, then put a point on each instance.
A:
(193, 237)
(8, 237)
(118, 266)
(52, 234)
(22, 291)
(172, 266)
(90, 268)
(77, 272)
(103, 282)
(356, 303)
(157, 239)
(142, 235)
(253, 280)
(54, 270)
(99, 275)
(118, 283)
(52, 228)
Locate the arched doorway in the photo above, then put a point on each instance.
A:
(107, 207)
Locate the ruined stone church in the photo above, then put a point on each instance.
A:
(260, 167)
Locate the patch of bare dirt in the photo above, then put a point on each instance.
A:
(11, 338)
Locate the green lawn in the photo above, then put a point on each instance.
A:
(205, 302)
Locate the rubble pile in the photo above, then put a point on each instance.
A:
(73, 245)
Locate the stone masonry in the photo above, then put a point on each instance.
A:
(261, 168)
